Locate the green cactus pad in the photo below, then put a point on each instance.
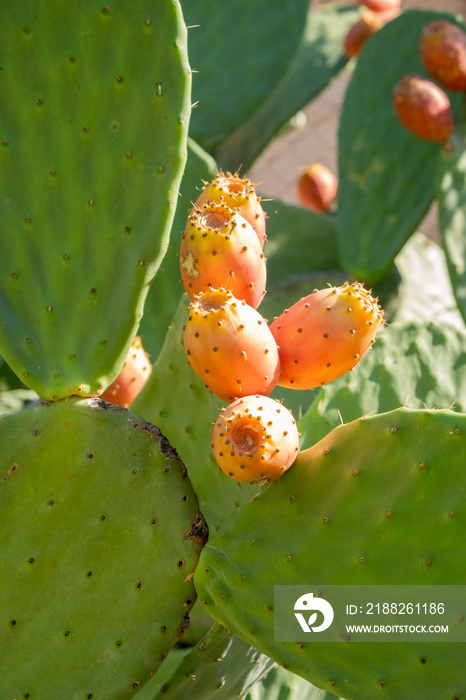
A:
(219, 662)
(93, 128)
(377, 501)
(386, 175)
(318, 59)
(451, 196)
(100, 534)
(413, 364)
(239, 50)
(186, 416)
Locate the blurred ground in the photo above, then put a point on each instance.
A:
(316, 140)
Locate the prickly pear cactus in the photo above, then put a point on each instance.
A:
(88, 191)
(368, 504)
(317, 60)
(99, 537)
(214, 37)
(380, 204)
(190, 429)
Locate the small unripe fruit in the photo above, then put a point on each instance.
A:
(135, 373)
(325, 334)
(360, 31)
(238, 193)
(317, 187)
(230, 346)
(219, 249)
(423, 108)
(443, 53)
(255, 439)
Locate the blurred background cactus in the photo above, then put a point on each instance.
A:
(112, 117)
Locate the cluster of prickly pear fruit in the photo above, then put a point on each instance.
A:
(240, 358)
(423, 107)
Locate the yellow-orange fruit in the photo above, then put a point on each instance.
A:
(317, 187)
(230, 346)
(135, 373)
(219, 249)
(325, 334)
(238, 193)
(255, 439)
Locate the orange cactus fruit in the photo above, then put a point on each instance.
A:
(423, 108)
(219, 249)
(317, 187)
(325, 334)
(443, 53)
(359, 32)
(135, 373)
(393, 6)
(255, 439)
(238, 193)
(230, 346)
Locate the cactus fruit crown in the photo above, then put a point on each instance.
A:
(238, 193)
(232, 184)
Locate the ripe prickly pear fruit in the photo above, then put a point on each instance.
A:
(317, 187)
(255, 439)
(382, 5)
(230, 346)
(360, 31)
(443, 53)
(325, 334)
(238, 193)
(220, 249)
(135, 373)
(423, 108)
